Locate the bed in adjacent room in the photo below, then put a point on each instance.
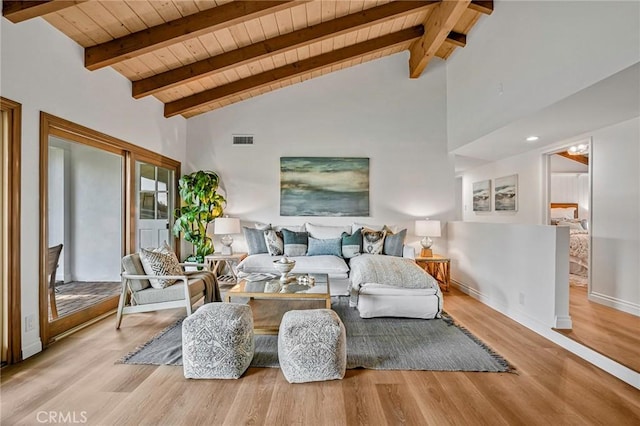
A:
(566, 214)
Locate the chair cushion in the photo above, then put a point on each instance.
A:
(131, 264)
(168, 294)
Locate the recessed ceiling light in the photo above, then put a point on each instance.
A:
(532, 138)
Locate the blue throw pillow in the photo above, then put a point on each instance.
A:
(319, 247)
(351, 244)
(255, 240)
(295, 243)
(394, 243)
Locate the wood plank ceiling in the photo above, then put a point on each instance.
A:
(196, 56)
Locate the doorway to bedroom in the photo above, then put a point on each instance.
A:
(569, 198)
(570, 185)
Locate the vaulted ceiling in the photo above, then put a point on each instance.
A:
(197, 56)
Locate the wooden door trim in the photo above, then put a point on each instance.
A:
(14, 316)
(158, 161)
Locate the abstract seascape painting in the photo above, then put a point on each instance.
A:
(324, 186)
(506, 193)
(482, 196)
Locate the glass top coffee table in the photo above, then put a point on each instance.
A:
(270, 299)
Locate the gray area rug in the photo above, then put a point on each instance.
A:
(375, 343)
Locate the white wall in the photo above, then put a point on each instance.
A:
(529, 168)
(615, 224)
(43, 70)
(529, 54)
(95, 215)
(571, 188)
(372, 110)
(519, 270)
(615, 207)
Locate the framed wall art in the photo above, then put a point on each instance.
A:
(506, 194)
(482, 196)
(324, 186)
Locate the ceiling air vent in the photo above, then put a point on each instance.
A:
(243, 139)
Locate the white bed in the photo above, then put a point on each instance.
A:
(566, 214)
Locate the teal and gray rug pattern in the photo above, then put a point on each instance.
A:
(374, 343)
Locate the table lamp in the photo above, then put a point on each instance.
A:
(427, 228)
(226, 226)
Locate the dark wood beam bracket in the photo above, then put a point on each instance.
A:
(179, 30)
(457, 39)
(192, 102)
(19, 11)
(257, 51)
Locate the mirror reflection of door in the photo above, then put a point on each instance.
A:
(85, 215)
(154, 204)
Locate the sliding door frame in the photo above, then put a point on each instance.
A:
(14, 316)
(51, 125)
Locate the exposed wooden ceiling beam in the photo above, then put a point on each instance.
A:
(256, 81)
(436, 29)
(179, 30)
(457, 39)
(579, 158)
(19, 11)
(485, 7)
(257, 51)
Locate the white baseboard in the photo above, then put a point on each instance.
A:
(563, 323)
(612, 302)
(32, 349)
(514, 314)
(615, 369)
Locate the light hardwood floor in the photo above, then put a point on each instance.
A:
(611, 332)
(552, 386)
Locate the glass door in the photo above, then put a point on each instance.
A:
(154, 205)
(85, 220)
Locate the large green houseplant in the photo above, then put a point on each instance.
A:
(201, 204)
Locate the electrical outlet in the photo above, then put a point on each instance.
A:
(29, 321)
(521, 298)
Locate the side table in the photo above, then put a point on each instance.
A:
(216, 261)
(439, 267)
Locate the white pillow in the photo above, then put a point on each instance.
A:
(355, 226)
(571, 225)
(322, 232)
(563, 213)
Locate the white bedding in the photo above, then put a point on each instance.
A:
(579, 252)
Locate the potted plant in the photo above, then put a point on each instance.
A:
(201, 204)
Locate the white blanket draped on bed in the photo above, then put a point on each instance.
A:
(387, 270)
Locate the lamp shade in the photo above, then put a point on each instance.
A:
(428, 228)
(226, 226)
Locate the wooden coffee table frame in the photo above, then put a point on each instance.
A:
(268, 308)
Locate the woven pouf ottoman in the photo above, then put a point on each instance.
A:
(217, 341)
(312, 346)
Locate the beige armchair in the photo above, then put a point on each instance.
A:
(139, 296)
